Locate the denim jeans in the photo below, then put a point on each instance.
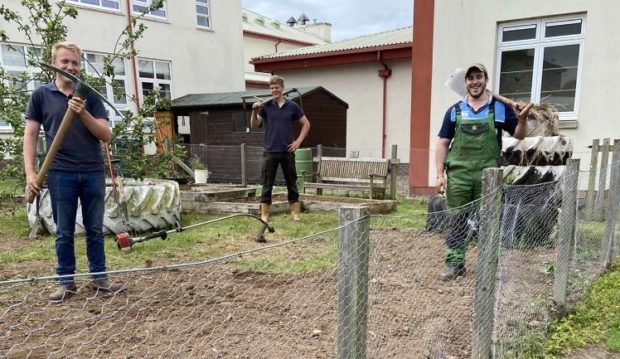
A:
(65, 189)
(286, 160)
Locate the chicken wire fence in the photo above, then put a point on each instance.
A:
(230, 163)
(350, 292)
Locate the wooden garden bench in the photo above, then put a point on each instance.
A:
(351, 174)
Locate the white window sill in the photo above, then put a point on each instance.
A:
(568, 124)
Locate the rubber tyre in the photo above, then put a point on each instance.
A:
(152, 204)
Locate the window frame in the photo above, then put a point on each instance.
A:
(94, 6)
(154, 80)
(150, 14)
(208, 16)
(32, 71)
(113, 117)
(539, 44)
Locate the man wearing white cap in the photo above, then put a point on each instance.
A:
(470, 141)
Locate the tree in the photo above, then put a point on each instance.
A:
(43, 27)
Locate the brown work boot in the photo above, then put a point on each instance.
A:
(63, 292)
(264, 212)
(105, 285)
(295, 209)
(452, 272)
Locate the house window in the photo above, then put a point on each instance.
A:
(539, 61)
(103, 4)
(19, 76)
(142, 6)
(203, 13)
(155, 75)
(113, 89)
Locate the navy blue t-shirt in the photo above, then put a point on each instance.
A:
(278, 122)
(80, 150)
(505, 118)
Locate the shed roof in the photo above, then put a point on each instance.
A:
(224, 99)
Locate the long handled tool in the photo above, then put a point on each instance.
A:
(124, 242)
(81, 90)
(456, 82)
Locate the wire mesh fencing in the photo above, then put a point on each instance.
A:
(373, 287)
(256, 304)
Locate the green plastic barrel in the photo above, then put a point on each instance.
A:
(303, 162)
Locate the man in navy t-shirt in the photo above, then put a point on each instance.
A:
(279, 116)
(77, 170)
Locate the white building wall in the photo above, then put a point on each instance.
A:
(466, 32)
(361, 87)
(202, 60)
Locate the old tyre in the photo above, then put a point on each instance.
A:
(151, 204)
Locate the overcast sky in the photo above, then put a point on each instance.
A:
(349, 18)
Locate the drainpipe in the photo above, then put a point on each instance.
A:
(134, 67)
(278, 43)
(384, 73)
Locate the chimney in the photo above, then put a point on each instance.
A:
(303, 19)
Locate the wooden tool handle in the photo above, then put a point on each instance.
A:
(505, 100)
(51, 153)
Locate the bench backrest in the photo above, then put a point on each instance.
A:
(353, 170)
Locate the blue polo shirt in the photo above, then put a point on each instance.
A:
(80, 151)
(505, 118)
(278, 122)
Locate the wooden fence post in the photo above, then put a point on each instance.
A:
(566, 226)
(589, 214)
(319, 155)
(244, 167)
(393, 162)
(602, 183)
(611, 213)
(486, 266)
(352, 306)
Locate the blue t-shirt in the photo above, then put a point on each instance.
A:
(278, 122)
(505, 118)
(80, 150)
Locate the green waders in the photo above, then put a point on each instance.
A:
(473, 149)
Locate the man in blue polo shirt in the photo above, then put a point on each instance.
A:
(77, 170)
(279, 115)
(469, 141)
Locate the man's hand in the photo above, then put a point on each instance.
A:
(440, 184)
(293, 146)
(523, 109)
(31, 184)
(257, 105)
(77, 105)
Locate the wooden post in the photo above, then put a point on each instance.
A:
(592, 180)
(393, 162)
(570, 179)
(486, 266)
(611, 213)
(319, 155)
(244, 166)
(352, 306)
(602, 183)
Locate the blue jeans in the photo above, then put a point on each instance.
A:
(65, 189)
(286, 160)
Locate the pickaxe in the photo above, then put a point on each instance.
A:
(81, 89)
